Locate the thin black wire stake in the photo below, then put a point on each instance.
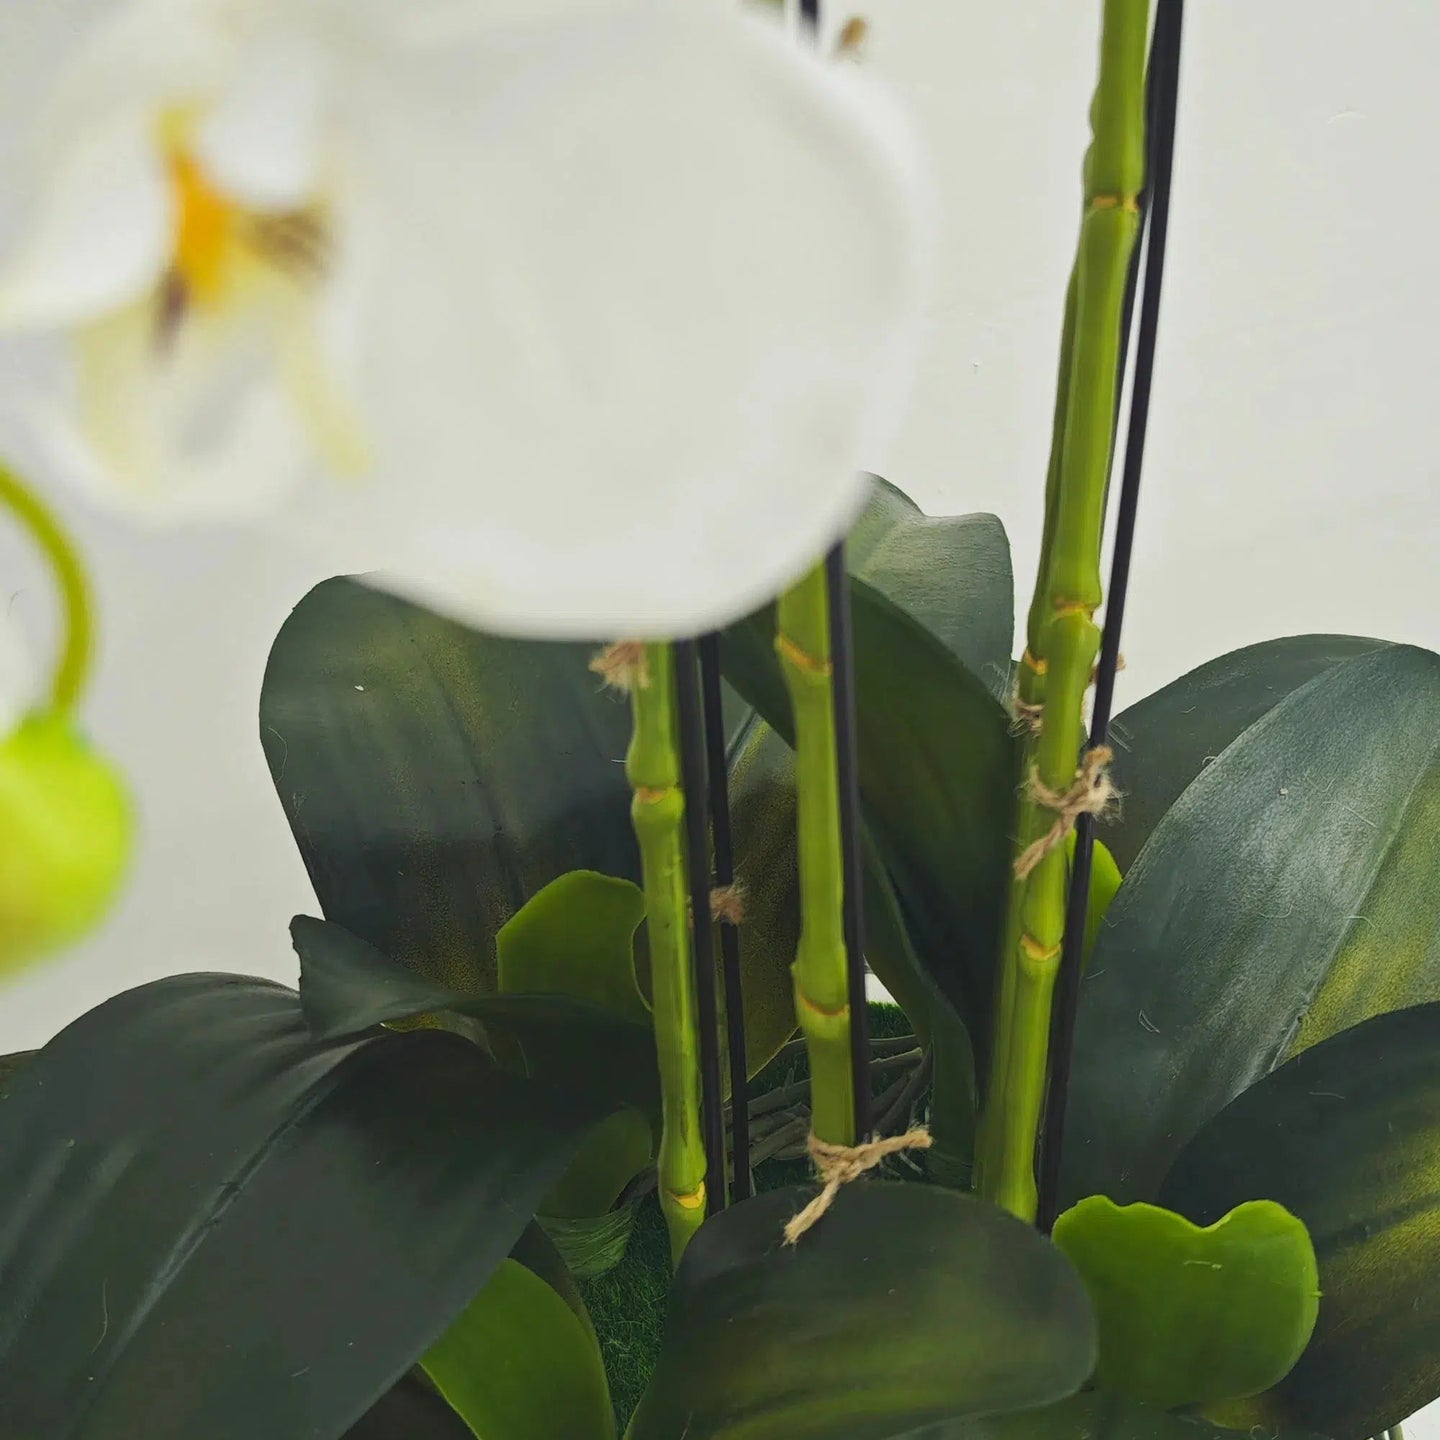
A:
(842, 662)
(714, 718)
(1164, 80)
(697, 846)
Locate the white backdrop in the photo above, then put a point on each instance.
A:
(1294, 454)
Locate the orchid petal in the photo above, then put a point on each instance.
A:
(102, 233)
(203, 431)
(639, 318)
(260, 143)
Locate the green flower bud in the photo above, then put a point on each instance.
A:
(66, 833)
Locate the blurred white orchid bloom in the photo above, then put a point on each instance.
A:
(589, 310)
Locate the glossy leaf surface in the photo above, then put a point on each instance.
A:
(348, 987)
(214, 1225)
(1289, 893)
(1165, 740)
(436, 778)
(1091, 1416)
(576, 938)
(1347, 1136)
(950, 572)
(1188, 1315)
(518, 1364)
(904, 1306)
(412, 1410)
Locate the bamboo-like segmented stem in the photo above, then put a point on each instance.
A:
(658, 810)
(1029, 694)
(72, 668)
(821, 979)
(1062, 638)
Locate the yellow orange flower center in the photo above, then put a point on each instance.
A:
(204, 231)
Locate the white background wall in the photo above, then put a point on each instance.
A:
(1293, 476)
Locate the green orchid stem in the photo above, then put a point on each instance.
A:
(73, 667)
(1062, 638)
(658, 810)
(822, 1000)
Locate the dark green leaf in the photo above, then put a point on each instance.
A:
(1165, 740)
(1187, 1315)
(1347, 1137)
(1289, 893)
(518, 1363)
(953, 1093)
(347, 986)
(411, 1411)
(212, 1225)
(414, 1408)
(951, 573)
(1091, 1416)
(904, 1306)
(937, 774)
(762, 810)
(576, 938)
(12, 1064)
(537, 1252)
(436, 778)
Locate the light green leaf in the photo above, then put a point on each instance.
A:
(518, 1364)
(576, 937)
(1105, 879)
(1188, 1316)
(1347, 1137)
(1095, 1415)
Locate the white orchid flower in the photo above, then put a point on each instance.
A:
(571, 317)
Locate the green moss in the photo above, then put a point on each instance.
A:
(627, 1305)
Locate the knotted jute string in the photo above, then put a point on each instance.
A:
(837, 1165)
(1092, 793)
(727, 903)
(1026, 718)
(623, 666)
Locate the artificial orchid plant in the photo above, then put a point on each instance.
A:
(571, 324)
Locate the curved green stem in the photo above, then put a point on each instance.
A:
(822, 996)
(658, 810)
(73, 667)
(1062, 637)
